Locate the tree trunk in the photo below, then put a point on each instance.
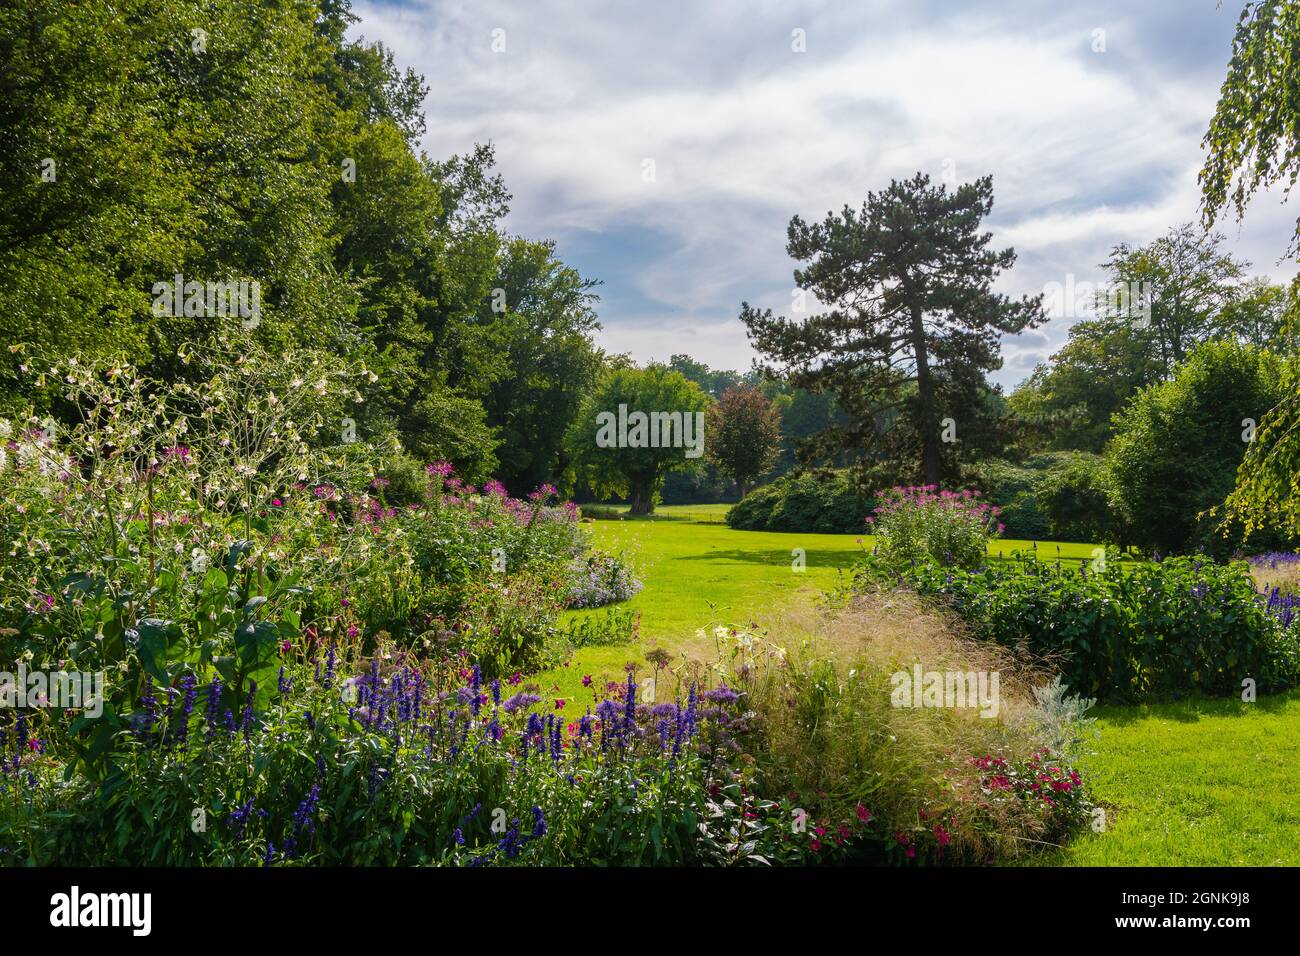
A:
(743, 488)
(641, 496)
(928, 420)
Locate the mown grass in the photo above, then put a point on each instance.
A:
(1195, 782)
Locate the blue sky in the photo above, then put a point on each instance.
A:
(1088, 116)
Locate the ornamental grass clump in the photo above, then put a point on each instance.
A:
(842, 769)
(922, 523)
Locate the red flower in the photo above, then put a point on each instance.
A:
(864, 814)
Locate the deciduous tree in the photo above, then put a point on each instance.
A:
(744, 435)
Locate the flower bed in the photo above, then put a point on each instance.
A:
(1155, 629)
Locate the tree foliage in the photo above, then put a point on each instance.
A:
(630, 466)
(911, 322)
(744, 435)
(240, 140)
(1253, 140)
(1179, 443)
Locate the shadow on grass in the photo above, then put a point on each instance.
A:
(1190, 710)
(777, 557)
(676, 519)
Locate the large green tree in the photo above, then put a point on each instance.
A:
(235, 139)
(1253, 141)
(1170, 291)
(744, 429)
(1160, 300)
(1262, 314)
(149, 138)
(541, 326)
(911, 322)
(1178, 445)
(1061, 407)
(618, 442)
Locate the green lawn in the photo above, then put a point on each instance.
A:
(701, 574)
(697, 570)
(1196, 783)
(705, 514)
(1188, 783)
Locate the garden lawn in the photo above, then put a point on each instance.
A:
(699, 573)
(1197, 782)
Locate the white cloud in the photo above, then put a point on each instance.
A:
(1086, 149)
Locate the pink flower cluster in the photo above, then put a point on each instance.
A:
(966, 502)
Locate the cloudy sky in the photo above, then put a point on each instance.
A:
(1089, 119)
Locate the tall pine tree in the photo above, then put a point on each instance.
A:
(911, 323)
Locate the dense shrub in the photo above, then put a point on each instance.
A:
(1126, 632)
(922, 523)
(1075, 500)
(823, 502)
(1059, 495)
(1178, 445)
(400, 480)
(1013, 488)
